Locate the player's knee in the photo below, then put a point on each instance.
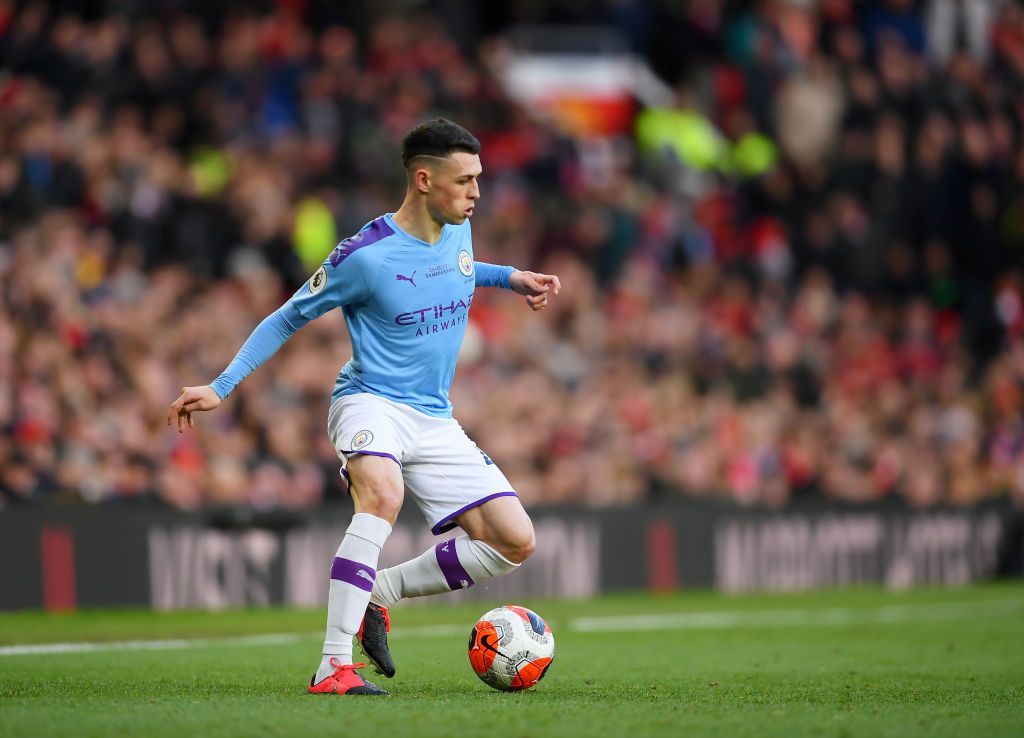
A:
(520, 545)
(523, 551)
(380, 497)
(382, 502)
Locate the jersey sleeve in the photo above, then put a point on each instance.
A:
(342, 279)
(484, 274)
(262, 343)
(492, 275)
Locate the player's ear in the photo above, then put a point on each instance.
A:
(421, 179)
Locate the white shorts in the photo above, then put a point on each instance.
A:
(444, 471)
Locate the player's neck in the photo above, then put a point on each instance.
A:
(418, 223)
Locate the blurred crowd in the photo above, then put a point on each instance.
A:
(847, 324)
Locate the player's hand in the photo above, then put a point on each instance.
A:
(192, 399)
(536, 287)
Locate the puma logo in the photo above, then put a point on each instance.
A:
(445, 547)
(463, 584)
(362, 573)
(411, 280)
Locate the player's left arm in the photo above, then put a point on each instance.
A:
(534, 286)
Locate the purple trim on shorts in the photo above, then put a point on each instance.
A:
(376, 231)
(373, 453)
(447, 522)
(354, 573)
(454, 572)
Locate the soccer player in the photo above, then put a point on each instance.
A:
(405, 284)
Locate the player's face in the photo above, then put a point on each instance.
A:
(454, 188)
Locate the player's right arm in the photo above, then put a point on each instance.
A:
(339, 281)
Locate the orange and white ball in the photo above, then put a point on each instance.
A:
(511, 648)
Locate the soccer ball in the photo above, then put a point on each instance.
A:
(511, 648)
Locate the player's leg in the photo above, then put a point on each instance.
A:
(376, 488)
(375, 481)
(375, 484)
(499, 537)
(503, 525)
(454, 483)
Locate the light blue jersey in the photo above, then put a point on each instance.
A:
(406, 303)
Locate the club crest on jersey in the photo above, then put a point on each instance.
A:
(360, 439)
(318, 281)
(465, 262)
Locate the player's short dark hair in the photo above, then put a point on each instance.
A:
(437, 137)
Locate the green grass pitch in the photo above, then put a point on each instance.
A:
(857, 663)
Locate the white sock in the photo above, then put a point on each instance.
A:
(352, 576)
(457, 563)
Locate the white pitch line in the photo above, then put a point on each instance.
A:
(835, 616)
(724, 619)
(171, 644)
